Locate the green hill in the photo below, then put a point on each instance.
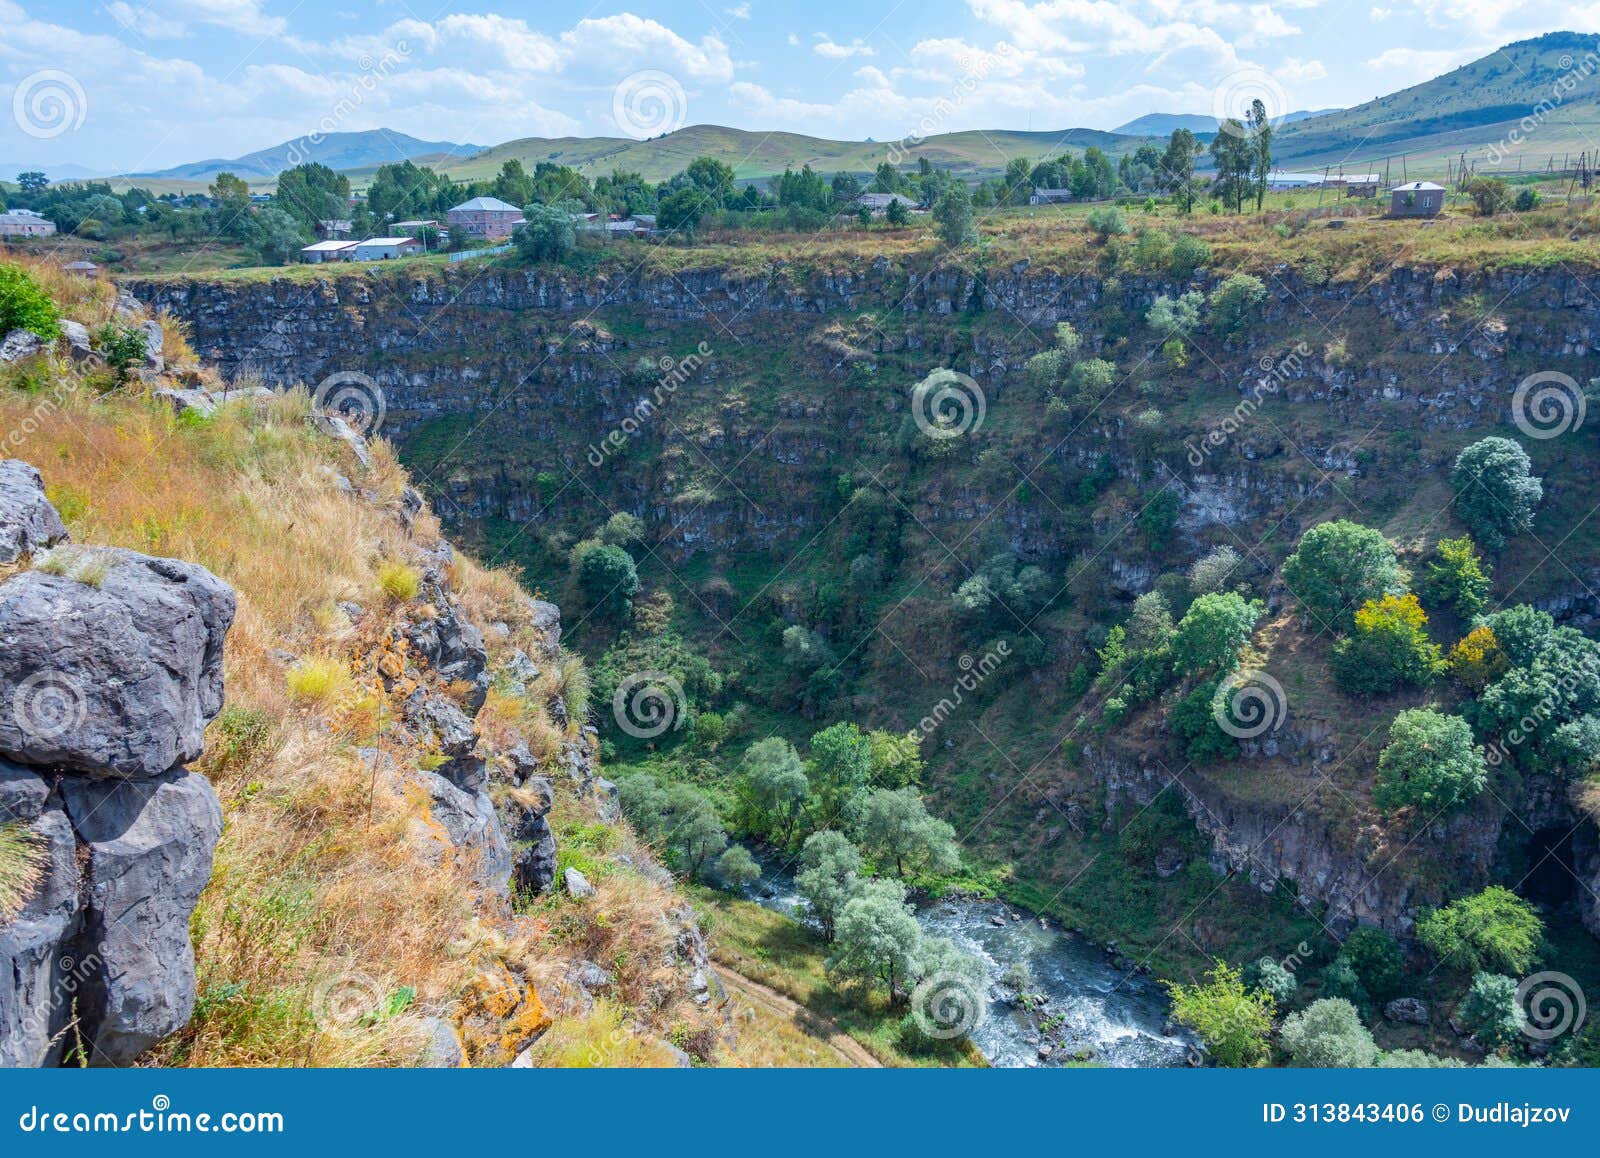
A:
(1533, 99)
(975, 154)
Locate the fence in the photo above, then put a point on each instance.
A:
(469, 254)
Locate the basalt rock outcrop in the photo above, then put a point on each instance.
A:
(110, 669)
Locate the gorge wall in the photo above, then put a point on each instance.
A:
(743, 396)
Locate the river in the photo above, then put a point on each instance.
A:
(1089, 1008)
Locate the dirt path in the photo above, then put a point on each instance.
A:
(820, 1028)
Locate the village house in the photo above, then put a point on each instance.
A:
(488, 218)
(385, 248)
(1050, 197)
(25, 223)
(328, 251)
(879, 203)
(335, 228)
(82, 268)
(1416, 199)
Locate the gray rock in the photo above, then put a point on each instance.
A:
(588, 976)
(520, 669)
(533, 869)
(608, 802)
(680, 1058)
(546, 621)
(577, 885)
(473, 827)
(28, 523)
(76, 336)
(1411, 1010)
(154, 344)
(39, 974)
(457, 737)
(20, 344)
(442, 1050)
(148, 855)
(523, 1061)
(116, 677)
(523, 764)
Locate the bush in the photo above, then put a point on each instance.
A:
(1456, 578)
(1214, 572)
(1430, 763)
(1491, 1011)
(1193, 720)
(1232, 1021)
(1337, 568)
(1388, 646)
(1495, 493)
(398, 582)
(1235, 302)
(1273, 979)
(1527, 199)
(25, 306)
(1107, 221)
(1328, 1035)
(1494, 929)
(1375, 957)
(1476, 659)
(548, 234)
(608, 578)
(1339, 979)
(1213, 632)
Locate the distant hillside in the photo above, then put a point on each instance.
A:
(1165, 124)
(1478, 109)
(341, 151)
(756, 155)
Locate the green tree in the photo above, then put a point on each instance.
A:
(1430, 763)
(778, 786)
(548, 234)
(736, 868)
(895, 826)
(1231, 1020)
(1328, 1034)
(1456, 577)
(952, 214)
(1176, 317)
(1214, 571)
(1150, 622)
(275, 236)
(839, 766)
(1496, 495)
(1232, 159)
(1175, 173)
(877, 938)
(1337, 568)
(681, 210)
(24, 305)
(1388, 645)
(896, 214)
(1491, 1011)
(1213, 632)
(1494, 929)
(1236, 302)
(830, 867)
(608, 578)
(313, 193)
(1376, 958)
(1260, 126)
(693, 828)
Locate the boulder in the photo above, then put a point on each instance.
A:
(117, 671)
(75, 335)
(545, 619)
(469, 818)
(577, 885)
(534, 867)
(41, 975)
(147, 855)
(456, 735)
(154, 343)
(19, 345)
(28, 523)
(1411, 1010)
(442, 1049)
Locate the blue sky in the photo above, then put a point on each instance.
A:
(144, 84)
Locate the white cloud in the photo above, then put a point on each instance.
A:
(738, 11)
(145, 22)
(633, 41)
(825, 46)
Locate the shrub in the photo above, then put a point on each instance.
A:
(547, 235)
(1388, 646)
(1176, 316)
(1491, 1010)
(608, 578)
(1430, 763)
(1234, 303)
(22, 857)
(1213, 572)
(736, 868)
(1488, 195)
(122, 347)
(1213, 632)
(1232, 1021)
(398, 582)
(1495, 493)
(1193, 720)
(1375, 957)
(1273, 979)
(1328, 1035)
(1527, 199)
(319, 680)
(1107, 221)
(1456, 577)
(1340, 979)
(1339, 566)
(1494, 929)
(1476, 659)
(1188, 254)
(25, 306)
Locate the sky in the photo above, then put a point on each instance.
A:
(137, 85)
